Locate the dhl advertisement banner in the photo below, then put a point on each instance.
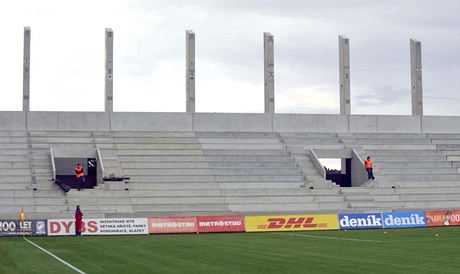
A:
(443, 218)
(291, 222)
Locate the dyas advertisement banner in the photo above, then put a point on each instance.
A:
(129, 226)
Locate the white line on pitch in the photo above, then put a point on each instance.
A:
(326, 237)
(56, 257)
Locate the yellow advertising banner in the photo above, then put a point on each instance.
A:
(292, 222)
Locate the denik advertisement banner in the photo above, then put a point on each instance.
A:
(291, 222)
(404, 219)
(158, 225)
(360, 221)
(26, 228)
(220, 223)
(443, 218)
(128, 226)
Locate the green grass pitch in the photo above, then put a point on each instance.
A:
(357, 251)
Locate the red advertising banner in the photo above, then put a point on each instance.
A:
(158, 225)
(443, 218)
(220, 223)
(124, 226)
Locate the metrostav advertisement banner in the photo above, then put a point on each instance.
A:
(443, 218)
(20, 228)
(160, 225)
(291, 222)
(198, 224)
(121, 226)
(220, 223)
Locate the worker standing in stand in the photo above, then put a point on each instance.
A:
(369, 167)
(80, 176)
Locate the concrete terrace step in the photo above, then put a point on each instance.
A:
(151, 134)
(256, 178)
(249, 158)
(155, 140)
(256, 171)
(167, 171)
(180, 207)
(159, 186)
(398, 146)
(390, 135)
(226, 146)
(176, 200)
(171, 178)
(412, 170)
(398, 152)
(160, 165)
(150, 146)
(175, 193)
(245, 152)
(160, 152)
(249, 141)
(408, 158)
(237, 135)
(423, 177)
(269, 199)
(243, 185)
(252, 164)
(297, 140)
(419, 164)
(161, 158)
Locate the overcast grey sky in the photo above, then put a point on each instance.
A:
(67, 62)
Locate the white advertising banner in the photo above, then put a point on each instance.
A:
(122, 226)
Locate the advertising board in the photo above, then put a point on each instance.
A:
(404, 219)
(291, 222)
(26, 228)
(220, 223)
(360, 221)
(443, 218)
(122, 226)
(160, 225)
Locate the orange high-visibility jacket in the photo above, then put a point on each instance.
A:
(79, 171)
(368, 163)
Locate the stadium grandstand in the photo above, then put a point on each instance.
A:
(188, 164)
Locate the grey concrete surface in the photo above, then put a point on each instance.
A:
(190, 71)
(269, 73)
(109, 36)
(416, 77)
(344, 75)
(26, 70)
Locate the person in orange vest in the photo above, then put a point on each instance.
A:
(368, 165)
(80, 176)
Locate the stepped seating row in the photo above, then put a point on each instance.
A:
(186, 173)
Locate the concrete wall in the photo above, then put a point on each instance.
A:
(254, 122)
(358, 171)
(12, 120)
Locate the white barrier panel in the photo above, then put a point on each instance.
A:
(128, 226)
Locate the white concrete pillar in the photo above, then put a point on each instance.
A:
(416, 77)
(108, 70)
(190, 70)
(269, 73)
(344, 75)
(26, 71)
